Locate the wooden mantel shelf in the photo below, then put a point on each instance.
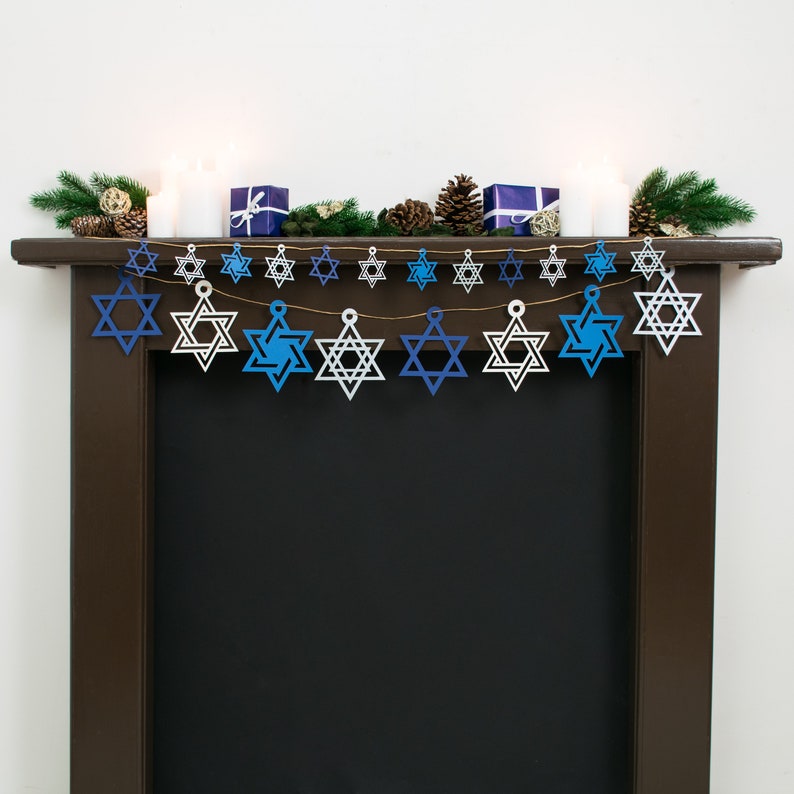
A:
(743, 251)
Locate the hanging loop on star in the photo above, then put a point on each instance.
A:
(516, 308)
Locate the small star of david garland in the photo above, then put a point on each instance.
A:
(553, 267)
(516, 332)
(511, 262)
(600, 263)
(190, 268)
(667, 313)
(422, 271)
(324, 259)
(648, 261)
(278, 350)
(204, 315)
(467, 273)
(367, 273)
(591, 334)
(126, 292)
(142, 250)
(349, 359)
(236, 265)
(434, 333)
(279, 268)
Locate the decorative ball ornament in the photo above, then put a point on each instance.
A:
(115, 202)
(545, 223)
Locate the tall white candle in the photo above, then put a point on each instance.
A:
(576, 203)
(161, 215)
(170, 169)
(611, 210)
(200, 206)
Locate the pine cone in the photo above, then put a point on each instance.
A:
(460, 207)
(93, 226)
(642, 219)
(131, 224)
(410, 215)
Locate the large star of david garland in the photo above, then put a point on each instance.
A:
(349, 359)
(434, 333)
(235, 264)
(648, 261)
(516, 332)
(278, 350)
(279, 268)
(126, 292)
(205, 319)
(189, 267)
(467, 273)
(141, 251)
(600, 262)
(372, 268)
(591, 334)
(667, 313)
(422, 271)
(514, 274)
(553, 268)
(321, 261)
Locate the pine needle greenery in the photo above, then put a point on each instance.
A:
(689, 199)
(334, 219)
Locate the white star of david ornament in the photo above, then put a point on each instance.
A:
(279, 268)
(189, 267)
(648, 261)
(553, 266)
(372, 268)
(467, 273)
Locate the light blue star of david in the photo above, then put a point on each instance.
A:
(553, 267)
(279, 268)
(648, 261)
(367, 273)
(600, 262)
(591, 334)
(453, 368)
(196, 266)
(142, 250)
(325, 258)
(278, 350)
(236, 265)
(126, 292)
(513, 263)
(422, 271)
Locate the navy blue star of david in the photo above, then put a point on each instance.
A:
(146, 267)
(422, 271)
(515, 265)
(326, 276)
(600, 263)
(236, 265)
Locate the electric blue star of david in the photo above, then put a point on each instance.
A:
(591, 334)
(278, 350)
(600, 263)
(516, 264)
(324, 277)
(367, 273)
(126, 292)
(236, 265)
(648, 261)
(142, 250)
(664, 300)
(434, 333)
(196, 266)
(422, 271)
(279, 268)
(553, 266)
(467, 273)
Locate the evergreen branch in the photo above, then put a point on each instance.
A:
(72, 181)
(101, 182)
(65, 199)
(137, 192)
(63, 220)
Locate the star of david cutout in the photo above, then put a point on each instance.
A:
(532, 341)
(648, 261)
(236, 265)
(126, 292)
(667, 313)
(278, 350)
(189, 267)
(323, 260)
(204, 318)
(467, 273)
(142, 251)
(591, 334)
(422, 271)
(453, 368)
(510, 269)
(372, 268)
(349, 359)
(279, 268)
(600, 262)
(553, 267)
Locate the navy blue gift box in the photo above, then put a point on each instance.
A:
(514, 205)
(258, 211)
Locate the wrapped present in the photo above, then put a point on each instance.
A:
(514, 205)
(258, 211)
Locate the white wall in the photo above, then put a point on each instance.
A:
(384, 100)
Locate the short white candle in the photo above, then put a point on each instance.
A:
(161, 215)
(576, 203)
(199, 210)
(170, 170)
(611, 210)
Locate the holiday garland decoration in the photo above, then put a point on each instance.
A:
(142, 251)
(514, 265)
(189, 266)
(648, 261)
(422, 271)
(467, 273)
(279, 268)
(235, 264)
(600, 262)
(369, 275)
(553, 267)
(321, 261)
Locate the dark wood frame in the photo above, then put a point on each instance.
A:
(675, 466)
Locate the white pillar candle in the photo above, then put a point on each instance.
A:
(576, 203)
(161, 215)
(170, 170)
(200, 206)
(611, 210)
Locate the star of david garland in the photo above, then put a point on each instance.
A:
(422, 271)
(278, 350)
(323, 259)
(202, 315)
(591, 334)
(553, 267)
(126, 292)
(659, 304)
(279, 268)
(600, 262)
(453, 368)
(648, 261)
(142, 250)
(235, 264)
(196, 266)
(515, 264)
(339, 352)
(516, 332)
(467, 273)
(367, 273)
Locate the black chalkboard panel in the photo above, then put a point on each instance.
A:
(398, 594)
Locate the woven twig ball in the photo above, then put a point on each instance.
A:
(545, 223)
(115, 202)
